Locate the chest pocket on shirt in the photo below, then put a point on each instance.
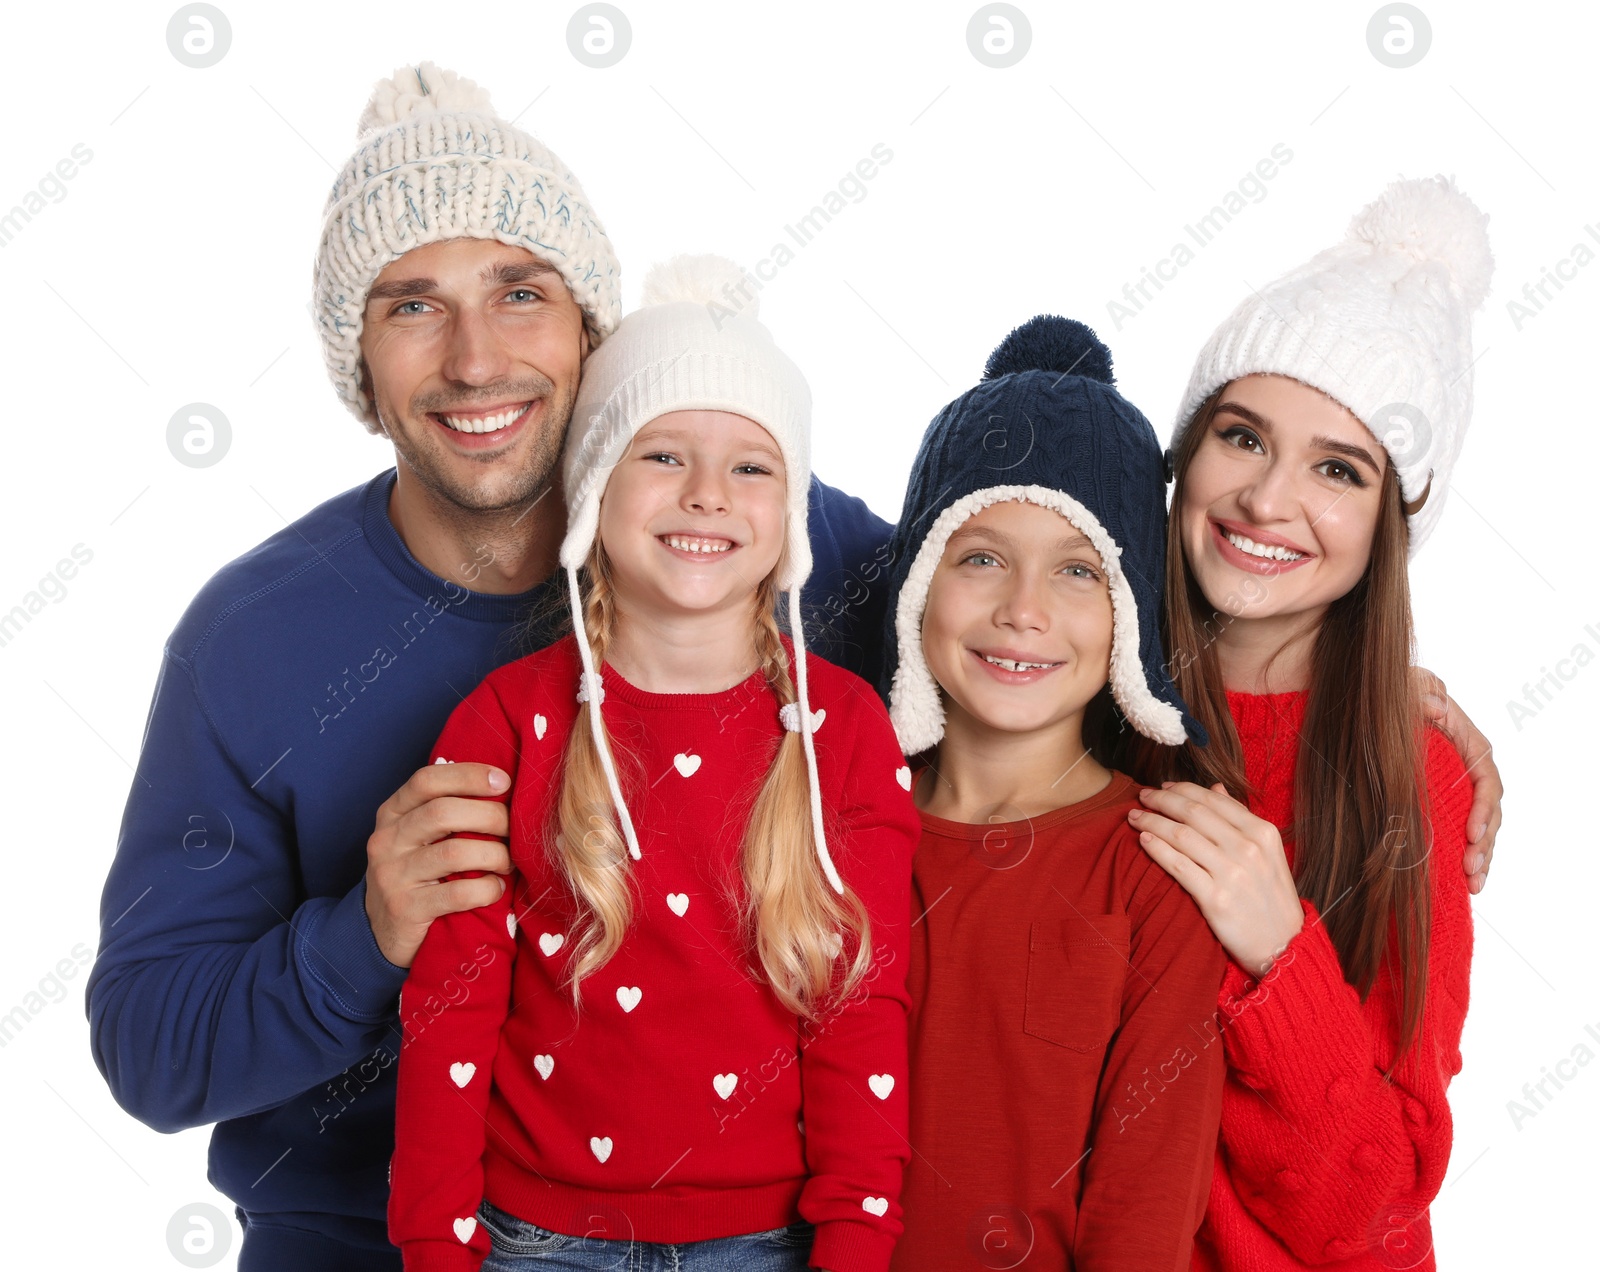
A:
(1076, 969)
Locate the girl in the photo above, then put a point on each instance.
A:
(705, 927)
(1063, 1106)
(1321, 830)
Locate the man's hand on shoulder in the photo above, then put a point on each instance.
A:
(1483, 822)
(446, 818)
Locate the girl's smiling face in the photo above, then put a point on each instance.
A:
(1018, 584)
(694, 515)
(1280, 500)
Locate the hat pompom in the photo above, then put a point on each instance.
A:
(701, 280)
(1429, 219)
(1051, 343)
(421, 90)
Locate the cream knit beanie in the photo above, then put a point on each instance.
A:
(693, 345)
(436, 162)
(1381, 323)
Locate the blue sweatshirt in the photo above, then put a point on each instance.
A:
(238, 981)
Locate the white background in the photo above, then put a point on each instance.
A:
(177, 268)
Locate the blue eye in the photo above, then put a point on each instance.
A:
(975, 556)
(1084, 571)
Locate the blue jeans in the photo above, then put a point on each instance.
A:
(520, 1246)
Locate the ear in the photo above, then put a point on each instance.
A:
(583, 343)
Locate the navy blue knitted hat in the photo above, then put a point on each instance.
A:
(1047, 426)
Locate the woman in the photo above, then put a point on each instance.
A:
(1321, 831)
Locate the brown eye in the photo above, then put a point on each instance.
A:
(1242, 438)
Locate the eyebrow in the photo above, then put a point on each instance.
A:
(494, 275)
(1319, 442)
(999, 536)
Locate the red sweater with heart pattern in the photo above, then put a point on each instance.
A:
(683, 1102)
(1321, 1161)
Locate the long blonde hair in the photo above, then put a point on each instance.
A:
(790, 915)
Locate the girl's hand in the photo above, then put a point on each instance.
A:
(1230, 861)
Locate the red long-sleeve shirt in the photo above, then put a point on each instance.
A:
(1065, 1090)
(683, 1103)
(1320, 1160)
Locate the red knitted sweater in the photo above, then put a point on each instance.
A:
(670, 1108)
(1320, 1160)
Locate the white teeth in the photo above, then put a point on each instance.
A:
(695, 545)
(1011, 664)
(1261, 549)
(485, 423)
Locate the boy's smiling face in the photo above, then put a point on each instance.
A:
(1018, 584)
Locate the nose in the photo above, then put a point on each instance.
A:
(1021, 605)
(1272, 496)
(476, 353)
(705, 491)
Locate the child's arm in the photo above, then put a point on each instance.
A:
(853, 1060)
(1147, 1173)
(1332, 1158)
(452, 1008)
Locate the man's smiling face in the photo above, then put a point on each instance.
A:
(471, 350)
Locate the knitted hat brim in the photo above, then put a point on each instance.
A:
(915, 707)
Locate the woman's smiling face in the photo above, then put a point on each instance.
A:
(1018, 584)
(1280, 500)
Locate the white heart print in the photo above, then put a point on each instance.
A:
(441, 760)
(686, 764)
(511, 926)
(903, 776)
(678, 902)
(724, 1083)
(600, 1146)
(461, 1074)
(881, 1084)
(789, 717)
(539, 726)
(545, 1065)
(465, 1228)
(875, 1205)
(550, 942)
(629, 996)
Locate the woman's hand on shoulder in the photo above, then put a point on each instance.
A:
(1230, 861)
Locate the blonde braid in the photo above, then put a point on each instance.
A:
(588, 847)
(792, 916)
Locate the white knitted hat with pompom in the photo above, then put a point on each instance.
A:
(693, 345)
(1381, 323)
(436, 162)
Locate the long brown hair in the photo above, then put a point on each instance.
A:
(797, 925)
(1362, 845)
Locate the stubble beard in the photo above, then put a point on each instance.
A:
(501, 487)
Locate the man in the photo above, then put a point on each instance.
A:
(255, 927)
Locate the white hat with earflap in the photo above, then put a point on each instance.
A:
(693, 345)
